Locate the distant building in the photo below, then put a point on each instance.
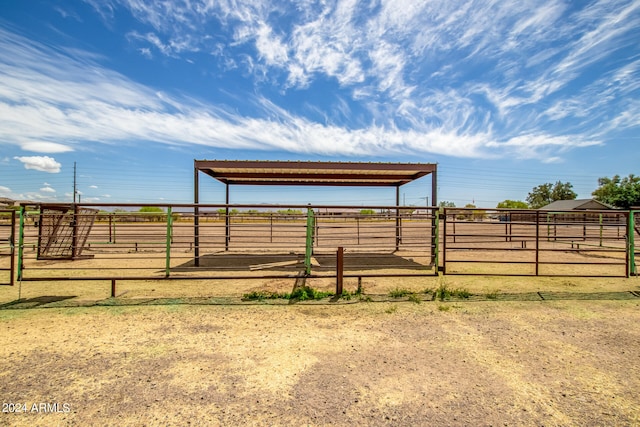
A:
(576, 205)
(5, 202)
(586, 210)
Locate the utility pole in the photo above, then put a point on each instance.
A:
(74, 183)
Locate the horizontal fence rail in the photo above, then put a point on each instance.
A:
(536, 243)
(142, 242)
(197, 241)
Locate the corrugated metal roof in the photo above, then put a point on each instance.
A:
(266, 172)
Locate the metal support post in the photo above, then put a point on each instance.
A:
(309, 240)
(538, 241)
(169, 240)
(435, 249)
(398, 238)
(631, 251)
(196, 218)
(444, 241)
(21, 243)
(227, 221)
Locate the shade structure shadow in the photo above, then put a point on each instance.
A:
(228, 261)
(355, 261)
(242, 261)
(36, 302)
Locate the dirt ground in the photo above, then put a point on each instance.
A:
(538, 351)
(456, 363)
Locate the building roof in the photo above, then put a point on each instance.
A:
(263, 172)
(578, 204)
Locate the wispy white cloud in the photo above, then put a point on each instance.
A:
(45, 147)
(369, 47)
(403, 62)
(47, 190)
(5, 191)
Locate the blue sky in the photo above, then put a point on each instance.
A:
(503, 95)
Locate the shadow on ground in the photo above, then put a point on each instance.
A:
(69, 301)
(234, 261)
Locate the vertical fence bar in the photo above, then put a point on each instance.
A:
(538, 241)
(196, 218)
(397, 218)
(436, 247)
(309, 240)
(227, 220)
(21, 243)
(74, 232)
(444, 242)
(600, 229)
(339, 270)
(167, 271)
(12, 248)
(631, 251)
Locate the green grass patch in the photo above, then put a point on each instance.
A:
(391, 309)
(443, 292)
(492, 295)
(415, 298)
(303, 293)
(347, 295)
(260, 296)
(399, 293)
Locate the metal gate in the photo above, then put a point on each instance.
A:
(7, 246)
(537, 243)
(63, 231)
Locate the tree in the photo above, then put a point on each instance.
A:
(512, 204)
(155, 213)
(544, 194)
(151, 209)
(622, 193)
(447, 204)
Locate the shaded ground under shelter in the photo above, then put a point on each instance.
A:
(299, 173)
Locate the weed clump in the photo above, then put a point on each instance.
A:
(443, 292)
(399, 293)
(415, 298)
(303, 293)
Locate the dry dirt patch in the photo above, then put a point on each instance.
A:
(482, 363)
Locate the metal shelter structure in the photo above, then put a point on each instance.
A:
(296, 173)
